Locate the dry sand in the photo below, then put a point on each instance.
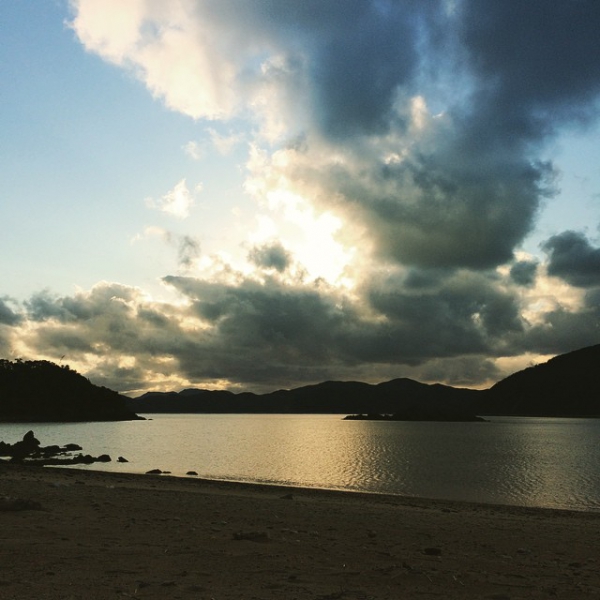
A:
(105, 535)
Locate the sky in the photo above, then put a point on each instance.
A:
(262, 194)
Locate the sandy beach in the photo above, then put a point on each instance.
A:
(73, 534)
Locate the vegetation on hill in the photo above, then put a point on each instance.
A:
(41, 391)
(567, 385)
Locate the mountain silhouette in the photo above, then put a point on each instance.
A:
(565, 386)
(400, 396)
(41, 391)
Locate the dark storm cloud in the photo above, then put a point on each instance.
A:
(81, 307)
(7, 315)
(540, 60)
(464, 314)
(10, 319)
(446, 208)
(270, 256)
(354, 53)
(44, 305)
(261, 336)
(573, 259)
(524, 272)
(361, 63)
(262, 332)
(267, 317)
(458, 186)
(466, 190)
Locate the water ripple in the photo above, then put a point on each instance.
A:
(530, 462)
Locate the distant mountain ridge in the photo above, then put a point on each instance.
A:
(567, 386)
(330, 397)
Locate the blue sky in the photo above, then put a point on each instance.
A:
(84, 145)
(267, 194)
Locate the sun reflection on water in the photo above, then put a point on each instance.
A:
(530, 462)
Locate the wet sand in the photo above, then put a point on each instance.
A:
(75, 534)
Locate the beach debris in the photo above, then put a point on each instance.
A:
(16, 504)
(29, 451)
(252, 536)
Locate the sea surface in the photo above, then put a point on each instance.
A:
(521, 461)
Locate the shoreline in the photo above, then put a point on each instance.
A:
(100, 535)
(198, 479)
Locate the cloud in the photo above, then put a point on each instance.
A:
(188, 251)
(178, 202)
(8, 316)
(421, 123)
(563, 330)
(194, 150)
(394, 146)
(524, 272)
(224, 144)
(188, 247)
(573, 258)
(270, 256)
(251, 332)
(541, 73)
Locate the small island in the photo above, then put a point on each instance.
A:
(416, 416)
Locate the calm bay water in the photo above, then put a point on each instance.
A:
(523, 461)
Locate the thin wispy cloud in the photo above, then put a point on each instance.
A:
(178, 202)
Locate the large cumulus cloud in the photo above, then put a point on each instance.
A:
(261, 333)
(574, 259)
(456, 182)
(421, 125)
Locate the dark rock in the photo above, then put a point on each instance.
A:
(72, 447)
(122, 460)
(154, 472)
(30, 440)
(29, 451)
(192, 473)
